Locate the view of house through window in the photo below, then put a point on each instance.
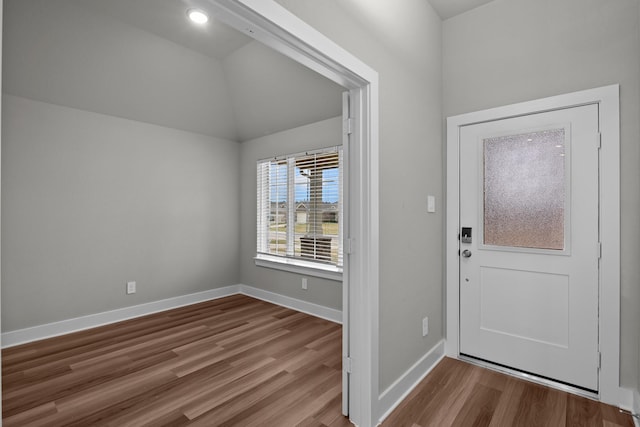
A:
(300, 206)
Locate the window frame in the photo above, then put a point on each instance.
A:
(290, 262)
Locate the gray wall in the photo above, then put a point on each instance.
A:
(516, 50)
(323, 134)
(110, 190)
(91, 201)
(403, 44)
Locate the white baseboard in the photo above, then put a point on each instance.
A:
(316, 310)
(22, 336)
(400, 389)
(49, 330)
(636, 407)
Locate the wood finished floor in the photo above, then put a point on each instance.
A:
(238, 361)
(456, 393)
(235, 361)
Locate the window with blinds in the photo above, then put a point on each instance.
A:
(300, 207)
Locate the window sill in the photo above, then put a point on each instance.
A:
(306, 268)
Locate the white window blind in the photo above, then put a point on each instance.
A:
(300, 207)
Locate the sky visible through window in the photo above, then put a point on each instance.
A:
(330, 182)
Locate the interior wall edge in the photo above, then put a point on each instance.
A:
(400, 389)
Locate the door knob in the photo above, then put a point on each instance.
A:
(466, 253)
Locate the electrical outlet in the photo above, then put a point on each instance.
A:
(131, 288)
(425, 326)
(305, 285)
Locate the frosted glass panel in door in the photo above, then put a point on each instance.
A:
(524, 190)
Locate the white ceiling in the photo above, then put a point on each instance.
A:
(267, 91)
(144, 60)
(450, 8)
(168, 19)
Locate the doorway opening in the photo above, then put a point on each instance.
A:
(274, 26)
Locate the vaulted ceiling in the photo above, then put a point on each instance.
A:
(450, 8)
(144, 60)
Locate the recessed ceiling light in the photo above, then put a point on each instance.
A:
(197, 16)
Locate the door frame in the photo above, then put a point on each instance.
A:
(607, 99)
(276, 27)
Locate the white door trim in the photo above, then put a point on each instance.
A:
(609, 124)
(273, 25)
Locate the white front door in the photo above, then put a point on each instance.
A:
(529, 244)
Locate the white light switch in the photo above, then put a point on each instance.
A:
(431, 204)
(131, 288)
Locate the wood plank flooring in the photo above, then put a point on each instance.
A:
(456, 393)
(235, 361)
(238, 361)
